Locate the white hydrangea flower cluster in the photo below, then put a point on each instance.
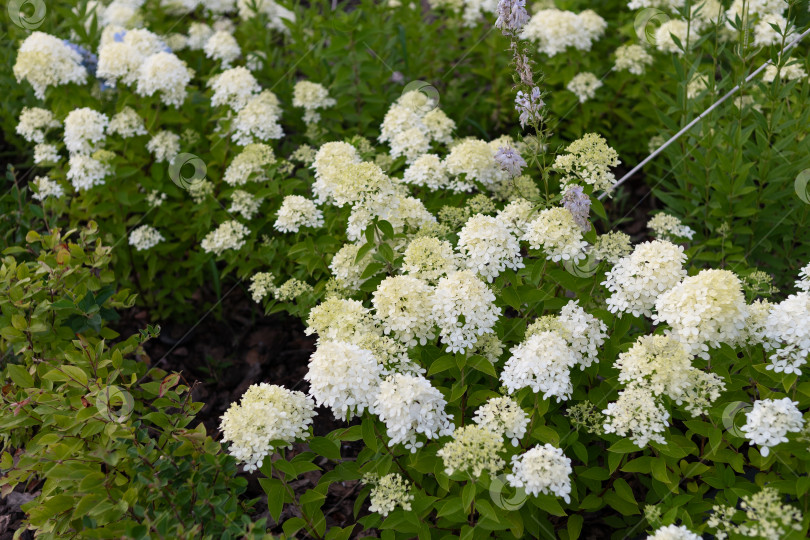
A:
(47, 188)
(770, 420)
(632, 58)
(584, 333)
(85, 171)
(343, 377)
(145, 237)
(258, 120)
(787, 329)
(673, 532)
(296, 212)
(249, 165)
(475, 159)
(639, 414)
(612, 246)
(803, 283)
(166, 74)
(409, 406)
(276, 14)
(229, 235)
(330, 163)
(265, 413)
(429, 259)
(126, 123)
(338, 319)
(403, 305)
(311, 96)
(554, 30)
(556, 232)
(660, 364)
(35, 122)
(765, 517)
(516, 216)
(233, 88)
(503, 416)
(588, 160)
(637, 280)
(473, 450)
(261, 285)
(85, 130)
(487, 247)
(46, 154)
(244, 204)
(346, 271)
(668, 227)
(427, 170)
(542, 469)
(543, 363)
(388, 492)
(44, 60)
(462, 294)
(584, 85)
(164, 146)
(412, 123)
(223, 47)
(792, 71)
(704, 310)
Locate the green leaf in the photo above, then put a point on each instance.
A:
(20, 376)
(325, 447)
(574, 527)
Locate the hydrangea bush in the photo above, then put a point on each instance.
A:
(503, 358)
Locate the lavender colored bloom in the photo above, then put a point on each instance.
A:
(509, 160)
(529, 106)
(523, 66)
(579, 204)
(89, 60)
(512, 16)
(397, 77)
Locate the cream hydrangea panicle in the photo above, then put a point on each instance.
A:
(632, 58)
(462, 294)
(264, 414)
(554, 30)
(636, 281)
(44, 60)
(47, 188)
(765, 35)
(661, 364)
(543, 363)
(296, 212)
(258, 120)
(330, 163)
(276, 14)
(542, 469)
(261, 285)
(503, 416)
(410, 406)
(35, 122)
(792, 71)
(584, 85)
(770, 420)
(343, 377)
(588, 160)
(803, 283)
(222, 46)
(234, 88)
(84, 171)
(249, 165)
(429, 258)
(704, 310)
(473, 450)
(787, 330)
(637, 414)
(167, 74)
(346, 271)
(338, 319)
(612, 246)
(673, 532)
(388, 492)
(487, 247)
(585, 333)
(765, 517)
(229, 235)
(85, 130)
(516, 216)
(311, 96)
(291, 289)
(198, 34)
(556, 232)
(403, 305)
(164, 146)
(439, 126)
(668, 227)
(46, 154)
(701, 391)
(427, 170)
(678, 28)
(144, 237)
(244, 204)
(126, 123)
(476, 160)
